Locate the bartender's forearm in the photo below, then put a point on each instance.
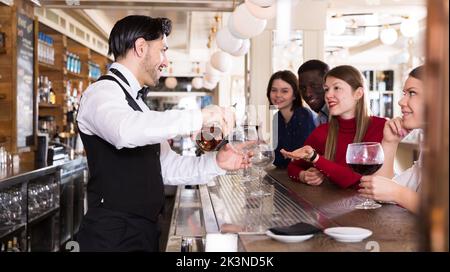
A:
(126, 128)
(177, 169)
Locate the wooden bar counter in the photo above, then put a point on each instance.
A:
(394, 228)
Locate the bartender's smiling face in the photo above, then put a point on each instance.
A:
(155, 60)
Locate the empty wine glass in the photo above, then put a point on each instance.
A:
(365, 158)
(243, 139)
(263, 155)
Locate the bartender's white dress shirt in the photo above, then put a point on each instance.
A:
(105, 112)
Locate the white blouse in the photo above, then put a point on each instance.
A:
(411, 177)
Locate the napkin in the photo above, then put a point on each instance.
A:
(296, 229)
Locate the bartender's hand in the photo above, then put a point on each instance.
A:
(302, 153)
(229, 159)
(224, 117)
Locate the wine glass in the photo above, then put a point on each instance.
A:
(263, 155)
(365, 158)
(243, 139)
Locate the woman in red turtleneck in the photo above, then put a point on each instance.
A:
(323, 155)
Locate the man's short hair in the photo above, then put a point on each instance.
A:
(127, 30)
(314, 65)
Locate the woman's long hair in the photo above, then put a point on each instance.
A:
(355, 79)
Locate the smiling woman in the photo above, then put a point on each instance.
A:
(403, 188)
(293, 122)
(325, 149)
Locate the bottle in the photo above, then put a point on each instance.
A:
(68, 57)
(40, 47)
(51, 51)
(51, 94)
(39, 96)
(15, 245)
(9, 247)
(45, 90)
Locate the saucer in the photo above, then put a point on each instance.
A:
(348, 234)
(289, 238)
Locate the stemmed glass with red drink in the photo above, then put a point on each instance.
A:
(365, 158)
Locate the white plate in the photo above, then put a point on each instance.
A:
(348, 234)
(289, 238)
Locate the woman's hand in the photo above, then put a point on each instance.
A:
(379, 188)
(394, 131)
(312, 176)
(302, 153)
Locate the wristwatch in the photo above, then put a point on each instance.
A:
(313, 157)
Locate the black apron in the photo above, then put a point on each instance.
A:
(125, 193)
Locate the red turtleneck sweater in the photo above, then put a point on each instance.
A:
(337, 171)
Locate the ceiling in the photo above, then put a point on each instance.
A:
(192, 19)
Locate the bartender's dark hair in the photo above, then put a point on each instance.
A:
(127, 30)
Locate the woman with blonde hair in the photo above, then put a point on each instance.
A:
(323, 155)
(402, 188)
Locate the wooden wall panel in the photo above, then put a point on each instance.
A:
(435, 197)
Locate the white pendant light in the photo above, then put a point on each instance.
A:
(243, 50)
(209, 85)
(388, 36)
(409, 27)
(221, 61)
(197, 82)
(263, 3)
(171, 82)
(336, 26)
(242, 24)
(210, 78)
(211, 70)
(227, 42)
(261, 12)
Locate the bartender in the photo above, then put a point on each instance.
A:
(126, 145)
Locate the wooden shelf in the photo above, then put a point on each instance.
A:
(48, 105)
(74, 75)
(48, 67)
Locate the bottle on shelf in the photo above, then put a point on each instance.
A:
(51, 94)
(15, 245)
(44, 91)
(51, 51)
(68, 60)
(78, 65)
(40, 47)
(9, 247)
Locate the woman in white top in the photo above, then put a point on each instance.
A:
(401, 189)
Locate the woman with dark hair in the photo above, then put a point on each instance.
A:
(293, 123)
(325, 149)
(401, 188)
